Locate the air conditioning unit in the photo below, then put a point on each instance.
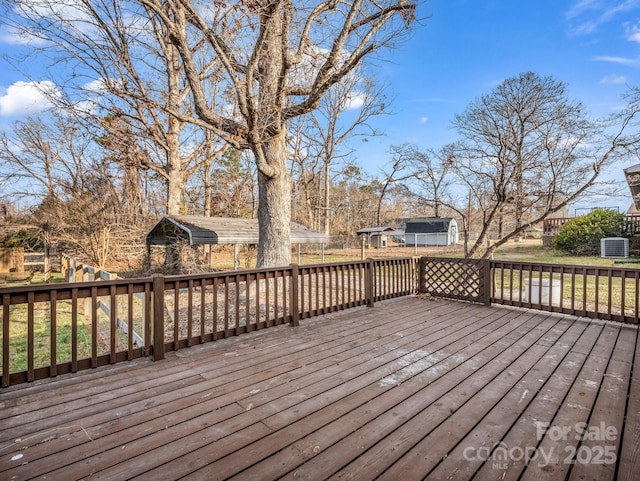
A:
(614, 247)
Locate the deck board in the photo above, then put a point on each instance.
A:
(629, 452)
(423, 390)
(411, 389)
(525, 431)
(349, 412)
(608, 411)
(462, 462)
(575, 409)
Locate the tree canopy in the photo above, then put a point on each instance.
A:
(581, 235)
(527, 150)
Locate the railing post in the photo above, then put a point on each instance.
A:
(487, 281)
(158, 317)
(5, 340)
(295, 308)
(422, 277)
(369, 279)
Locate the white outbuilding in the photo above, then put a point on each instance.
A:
(431, 231)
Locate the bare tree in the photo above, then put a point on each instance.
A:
(629, 137)
(527, 151)
(397, 173)
(80, 201)
(306, 174)
(281, 60)
(39, 158)
(355, 197)
(125, 68)
(433, 184)
(320, 138)
(428, 173)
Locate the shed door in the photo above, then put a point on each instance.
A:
(453, 235)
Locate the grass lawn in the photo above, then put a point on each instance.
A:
(42, 336)
(532, 251)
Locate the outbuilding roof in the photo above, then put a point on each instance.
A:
(199, 230)
(634, 169)
(428, 225)
(375, 230)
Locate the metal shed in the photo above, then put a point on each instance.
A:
(377, 237)
(199, 230)
(431, 231)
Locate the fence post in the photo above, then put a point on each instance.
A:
(71, 271)
(295, 308)
(158, 317)
(487, 281)
(369, 279)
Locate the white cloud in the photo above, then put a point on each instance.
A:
(11, 36)
(68, 12)
(614, 79)
(633, 33)
(354, 100)
(24, 98)
(631, 62)
(96, 86)
(590, 14)
(582, 6)
(423, 120)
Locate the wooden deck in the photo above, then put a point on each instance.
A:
(411, 389)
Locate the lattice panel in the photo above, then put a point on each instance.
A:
(456, 280)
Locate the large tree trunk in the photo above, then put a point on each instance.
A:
(274, 207)
(175, 187)
(175, 171)
(208, 188)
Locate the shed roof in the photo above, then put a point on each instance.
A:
(375, 230)
(428, 225)
(634, 169)
(198, 230)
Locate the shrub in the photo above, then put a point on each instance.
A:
(581, 236)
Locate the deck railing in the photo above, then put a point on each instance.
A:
(608, 293)
(61, 328)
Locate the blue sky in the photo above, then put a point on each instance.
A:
(462, 50)
(466, 47)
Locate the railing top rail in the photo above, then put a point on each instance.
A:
(405, 258)
(225, 273)
(67, 286)
(464, 260)
(500, 262)
(547, 265)
(348, 262)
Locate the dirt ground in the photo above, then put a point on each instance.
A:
(312, 254)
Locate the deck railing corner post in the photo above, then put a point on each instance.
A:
(158, 317)
(369, 279)
(295, 306)
(422, 275)
(487, 284)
